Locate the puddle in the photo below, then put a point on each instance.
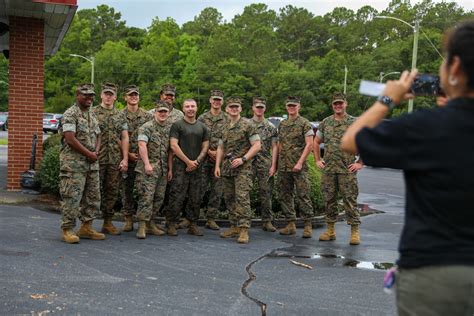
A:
(327, 259)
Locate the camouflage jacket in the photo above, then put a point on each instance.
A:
(236, 142)
(268, 136)
(86, 129)
(215, 125)
(134, 121)
(292, 135)
(111, 124)
(157, 140)
(175, 115)
(330, 131)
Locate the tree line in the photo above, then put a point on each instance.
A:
(259, 52)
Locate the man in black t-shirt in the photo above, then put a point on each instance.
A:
(189, 141)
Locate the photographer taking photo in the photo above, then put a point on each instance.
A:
(436, 265)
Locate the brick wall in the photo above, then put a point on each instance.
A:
(26, 96)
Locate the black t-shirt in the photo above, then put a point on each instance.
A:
(190, 137)
(435, 149)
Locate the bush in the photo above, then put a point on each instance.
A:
(49, 170)
(51, 141)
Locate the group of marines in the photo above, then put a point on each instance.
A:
(165, 159)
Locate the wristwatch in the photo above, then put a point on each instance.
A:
(385, 100)
(244, 159)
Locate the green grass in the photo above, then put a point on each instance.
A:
(3, 141)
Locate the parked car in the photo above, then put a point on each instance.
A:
(315, 126)
(51, 122)
(275, 120)
(3, 121)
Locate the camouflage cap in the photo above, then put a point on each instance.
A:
(168, 88)
(109, 87)
(217, 94)
(233, 101)
(260, 102)
(131, 89)
(161, 105)
(86, 88)
(293, 100)
(338, 97)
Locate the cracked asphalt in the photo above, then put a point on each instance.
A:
(188, 275)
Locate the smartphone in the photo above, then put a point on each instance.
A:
(426, 85)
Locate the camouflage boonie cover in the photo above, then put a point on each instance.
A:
(332, 130)
(291, 135)
(134, 121)
(215, 125)
(236, 142)
(268, 136)
(86, 129)
(111, 124)
(157, 138)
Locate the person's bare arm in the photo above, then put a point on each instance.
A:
(317, 152)
(306, 151)
(274, 165)
(143, 150)
(219, 154)
(254, 149)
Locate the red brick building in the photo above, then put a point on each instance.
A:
(29, 29)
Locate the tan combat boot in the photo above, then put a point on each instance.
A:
(141, 232)
(69, 237)
(128, 225)
(329, 234)
(243, 236)
(109, 228)
(172, 229)
(153, 229)
(184, 224)
(211, 224)
(231, 232)
(268, 227)
(194, 230)
(290, 229)
(355, 235)
(308, 229)
(87, 232)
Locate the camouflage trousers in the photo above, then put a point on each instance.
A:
(129, 203)
(80, 197)
(295, 186)
(345, 187)
(216, 190)
(151, 194)
(184, 185)
(236, 190)
(110, 182)
(265, 187)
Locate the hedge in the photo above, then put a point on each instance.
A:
(49, 171)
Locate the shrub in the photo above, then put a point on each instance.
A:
(51, 141)
(49, 170)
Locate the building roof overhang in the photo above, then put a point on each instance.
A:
(57, 16)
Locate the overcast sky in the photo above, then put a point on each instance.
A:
(140, 13)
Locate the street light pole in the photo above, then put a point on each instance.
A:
(345, 78)
(415, 29)
(91, 60)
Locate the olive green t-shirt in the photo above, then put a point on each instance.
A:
(190, 137)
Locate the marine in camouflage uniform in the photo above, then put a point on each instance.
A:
(189, 141)
(264, 163)
(295, 136)
(215, 120)
(135, 117)
(239, 144)
(153, 167)
(339, 170)
(113, 154)
(168, 94)
(79, 168)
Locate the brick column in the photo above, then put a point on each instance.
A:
(26, 95)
